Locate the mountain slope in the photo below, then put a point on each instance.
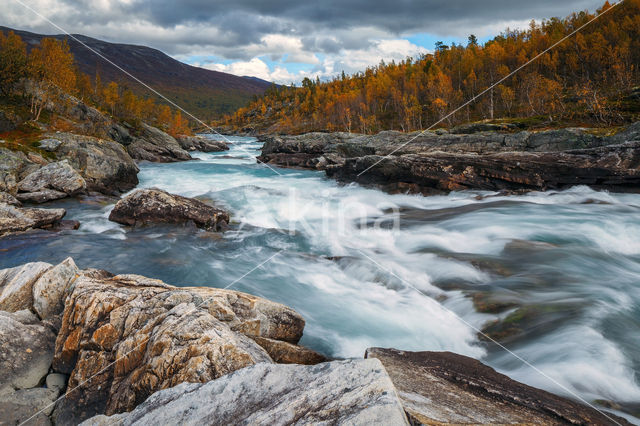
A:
(205, 93)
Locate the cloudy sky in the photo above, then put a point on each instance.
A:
(285, 40)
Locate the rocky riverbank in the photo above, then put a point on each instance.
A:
(471, 157)
(134, 350)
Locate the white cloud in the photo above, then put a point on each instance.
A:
(254, 68)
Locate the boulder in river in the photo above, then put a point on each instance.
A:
(200, 143)
(154, 145)
(356, 392)
(447, 388)
(146, 206)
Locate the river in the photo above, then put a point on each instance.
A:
(366, 268)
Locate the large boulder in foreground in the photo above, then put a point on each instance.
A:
(200, 143)
(134, 336)
(146, 206)
(16, 219)
(154, 145)
(447, 388)
(355, 392)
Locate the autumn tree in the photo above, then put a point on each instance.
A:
(13, 61)
(51, 72)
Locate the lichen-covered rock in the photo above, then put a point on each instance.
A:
(16, 285)
(147, 206)
(157, 146)
(200, 143)
(104, 164)
(58, 176)
(156, 336)
(27, 351)
(355, 392)
(13, 167)
(16, 219)
(447, 388)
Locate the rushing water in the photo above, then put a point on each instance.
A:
(367, 268)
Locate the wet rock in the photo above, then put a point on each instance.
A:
(105, 165)
(491, 304)
(65, 225)
(157, 336)
(6, 198)
(199, 143)
(50, 288)
(27, 351)
(41, 196)
(356, 392)
(59, 177)
(147, 206)
(15, 219)
(288, 353)
(157, 146)
(16, 285)
(28, 405)
(446, 388)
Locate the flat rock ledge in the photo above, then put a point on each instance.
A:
(439, 162)
(447, 388)
(357, 392)
(148, 206)
(16, 219)
(200, 143)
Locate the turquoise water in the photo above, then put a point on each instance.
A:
(367, 268)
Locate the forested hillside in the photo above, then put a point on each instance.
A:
(205, 93)
(32, 79)
(589, 79)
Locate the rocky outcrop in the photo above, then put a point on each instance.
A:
(105, 165)
(356, 392)
(6, 198)
(146, 206)
(200, 143)
(469, 159)
(14, 166)
(16, 219)
(51, 182)
(446, 388)
(154, 145)
(134, 336)
(16, 285)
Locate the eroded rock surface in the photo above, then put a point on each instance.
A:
(357, 392)
(147, 206)
(16, 285)
(446, 388)
(157, 336)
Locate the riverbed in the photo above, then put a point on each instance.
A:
(558, 271)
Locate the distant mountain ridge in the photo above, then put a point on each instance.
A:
(205, 93)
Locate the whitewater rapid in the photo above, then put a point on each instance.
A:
(366, 268)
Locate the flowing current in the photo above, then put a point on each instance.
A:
(365, 268)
